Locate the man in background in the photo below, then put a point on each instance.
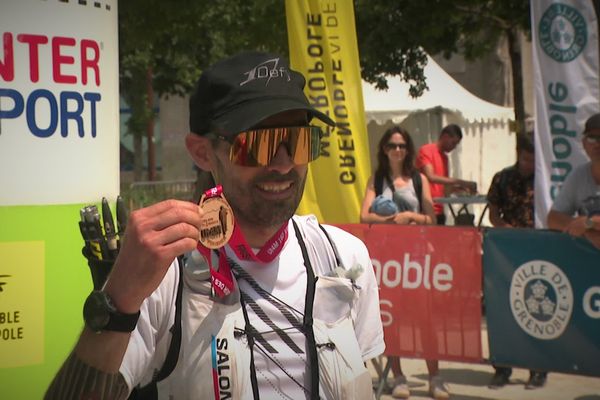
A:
(432, 160)
(576, 209)
(510, 200)
(510, 196)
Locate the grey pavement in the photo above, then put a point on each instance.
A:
(468, 381)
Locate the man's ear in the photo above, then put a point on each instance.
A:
(200, 148)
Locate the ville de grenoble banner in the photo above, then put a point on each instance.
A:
(542, 299)
(565, 61)
(322, 41)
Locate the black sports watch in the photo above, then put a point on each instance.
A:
(100, 314)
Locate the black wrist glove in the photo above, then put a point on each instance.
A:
(98, 268)
(102, 239)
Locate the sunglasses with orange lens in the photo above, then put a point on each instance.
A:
(257, 147)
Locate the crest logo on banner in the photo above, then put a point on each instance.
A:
(562, 32)
(541, 299)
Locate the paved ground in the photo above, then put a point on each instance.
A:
(469, 382)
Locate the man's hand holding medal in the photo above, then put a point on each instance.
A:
(154, 237)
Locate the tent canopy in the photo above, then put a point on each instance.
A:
(395, 103)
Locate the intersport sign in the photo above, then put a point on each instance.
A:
(59, 102)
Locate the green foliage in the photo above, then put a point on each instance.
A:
(177, 39)
(174, 41)
(393, 36)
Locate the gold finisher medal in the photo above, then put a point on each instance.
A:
(217, 222)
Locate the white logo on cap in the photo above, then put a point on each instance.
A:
(541, 299)
(267, 70)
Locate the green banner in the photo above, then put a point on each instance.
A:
(542, 297)
(44, 280)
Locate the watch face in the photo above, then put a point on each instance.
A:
(96, 312)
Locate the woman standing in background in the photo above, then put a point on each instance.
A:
(397, 193)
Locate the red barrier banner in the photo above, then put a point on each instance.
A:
(430, 283)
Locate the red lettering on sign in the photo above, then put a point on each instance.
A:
(92, 62)
(7, 67)
(64, 54)
(59, 59)
(34, 42)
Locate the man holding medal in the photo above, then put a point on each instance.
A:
(271, 305)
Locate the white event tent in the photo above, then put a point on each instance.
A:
(488, 145)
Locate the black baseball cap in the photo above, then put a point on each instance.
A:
(593, 122)
(235, 94)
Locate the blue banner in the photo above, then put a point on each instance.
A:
(542, 297)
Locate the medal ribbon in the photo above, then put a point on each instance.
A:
(222, 280)
(266, 254)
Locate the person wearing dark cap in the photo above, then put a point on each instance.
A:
(576, 209)
(287, 309)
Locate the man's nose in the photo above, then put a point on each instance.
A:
(282, 161)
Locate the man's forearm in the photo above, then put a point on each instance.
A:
(77, 380)
(92, 369)
(103, 350)
(495, 217)
(558, 221)
(594, 237)
(444, 180)
(432, 177)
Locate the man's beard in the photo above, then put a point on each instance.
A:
(251, 209)
(267, 214)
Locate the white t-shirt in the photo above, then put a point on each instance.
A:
(346, 314)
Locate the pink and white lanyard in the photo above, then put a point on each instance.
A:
(222, 279)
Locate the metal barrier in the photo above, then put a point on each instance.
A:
(142, 194)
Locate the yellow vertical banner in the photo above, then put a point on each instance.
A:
(323, 46)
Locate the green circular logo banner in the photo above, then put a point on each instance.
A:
(562, 32)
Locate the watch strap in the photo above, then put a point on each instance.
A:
(122, 322)
(100, 314)
(118, 321)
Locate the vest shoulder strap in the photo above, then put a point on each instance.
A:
(150, 391)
